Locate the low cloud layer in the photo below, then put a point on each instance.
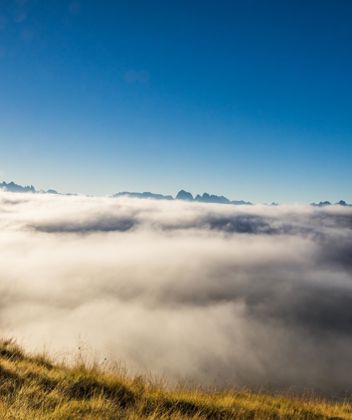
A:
(225, 296)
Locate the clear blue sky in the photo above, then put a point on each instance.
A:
(247, 98)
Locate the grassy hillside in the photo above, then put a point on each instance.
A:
(31, 387)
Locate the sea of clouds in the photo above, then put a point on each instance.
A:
(219, 295)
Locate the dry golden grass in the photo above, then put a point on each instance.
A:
(32, 387)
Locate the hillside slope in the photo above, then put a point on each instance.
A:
(32, 387)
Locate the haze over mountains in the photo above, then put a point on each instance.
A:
(181, 195)
(13, 187)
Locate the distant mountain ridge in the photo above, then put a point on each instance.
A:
(182, 195)
(328, 203)
(13, 187)
(144, 195)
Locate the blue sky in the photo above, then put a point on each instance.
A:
(248, 98)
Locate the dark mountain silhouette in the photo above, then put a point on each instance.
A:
(16, 188)
(328, 203)
(241, 202)
(12, 187)
(211, 198)
(181, 195)
(143, 195)
(321, 204)
(184, 195)
(342, 203)
(208, 198)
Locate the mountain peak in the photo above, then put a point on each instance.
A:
(146, 194)
(212, 198)
(184, 195)
(12, 187)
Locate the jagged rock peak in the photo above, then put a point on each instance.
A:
(184, 195)
(12, 187)
(148, 194)
(211, 198)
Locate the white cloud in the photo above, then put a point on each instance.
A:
(229, 295)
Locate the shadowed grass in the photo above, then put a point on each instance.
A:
(32, 387)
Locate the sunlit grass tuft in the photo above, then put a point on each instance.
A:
(33, 387)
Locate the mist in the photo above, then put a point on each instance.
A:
(218, 295)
